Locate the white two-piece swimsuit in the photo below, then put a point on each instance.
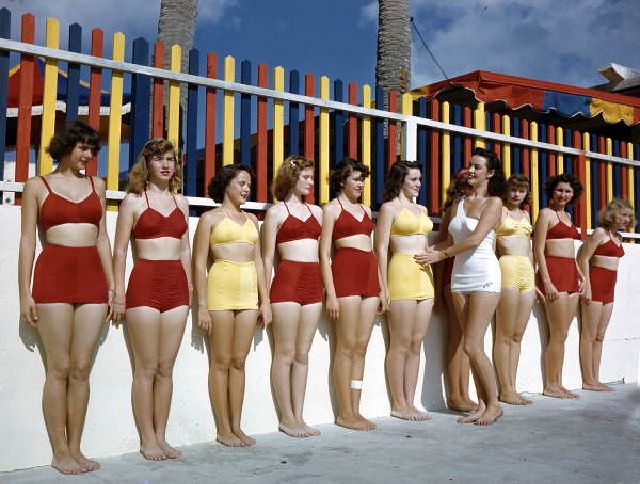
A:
(476, 269)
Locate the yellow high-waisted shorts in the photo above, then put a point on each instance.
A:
(408, 280)
(517, 272)
(232, 285)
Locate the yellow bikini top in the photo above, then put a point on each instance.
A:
(511, 227)
(407, 223)
(229, 232)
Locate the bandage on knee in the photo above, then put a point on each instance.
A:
(356, 384)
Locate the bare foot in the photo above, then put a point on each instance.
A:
(152, 452)
(368, 423)
(591, 386)
(88, 465)
(419, 415)
(246, 440)
(292, 430)
(67, 465)
(170, 452)
(353, 423)
(403, 414)
(513, 399)
(311, 432)
(461, 405)
(524, 400)
(472, 417)
(230, 440)
(606, 388)
(569, 394)
(490, 415)
(555, 392)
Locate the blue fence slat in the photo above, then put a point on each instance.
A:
(338, 134)
(456, 140)
(5, 32)
(379, 146)
(192, 124)
(294, 114)
(140, 93)
(568, 159)
(423, 152)
(73, 73)
(245, 115)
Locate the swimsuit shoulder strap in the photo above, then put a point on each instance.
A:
(174, 200)
(46, 184)
(287, 207)
(93, 187)
(308, 208)
(340, 203)
(147, 199)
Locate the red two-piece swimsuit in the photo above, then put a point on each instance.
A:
(65, 274)
(355, 272)
(295, 281)
(160, 284)
(603, 281)
(563, 271)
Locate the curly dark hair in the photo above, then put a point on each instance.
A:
(395, 178)
(65, 140)
(519, 181)
(552, 182)
(219, 183)
(343, 169)
(497, 185)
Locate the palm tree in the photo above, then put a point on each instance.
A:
(393, 68)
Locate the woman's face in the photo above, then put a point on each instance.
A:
(562, 194)
(353, 184)
(477, 172)
(305, 182)
(239, 188)
(80, 156)
(162, 167)
(516, 195)
(623, 220)
(412, 182)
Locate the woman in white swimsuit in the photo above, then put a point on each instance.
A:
(475, 280)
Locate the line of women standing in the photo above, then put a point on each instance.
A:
(76, 288)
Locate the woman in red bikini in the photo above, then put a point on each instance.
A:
(598, 258)
(290, 234)
(72, 285)
(156, 302)
(559, 277)
(352, 283)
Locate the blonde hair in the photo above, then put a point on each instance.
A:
(607, 216)
(139, 174)
(288, 174)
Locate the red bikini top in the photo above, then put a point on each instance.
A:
(152, 224)
(347, 225)
(295, 229)
(57, 210)
(562, 231)
(609, 249)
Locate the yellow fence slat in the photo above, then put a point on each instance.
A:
(407, 108)
(560, 157)
(278, 120)
(173, 130)
(506, 147)
(115, 115)
(631, 182)
(49, 96)
(446, 149)
(228, 113)
(479, 123)
(366, 141)
(324, 142)
(609, 151)
(535, 172)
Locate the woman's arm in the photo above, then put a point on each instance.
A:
(539, 241)
(103, 245)
(199, 268)
(383, 228)
(268, 241)
(328, 220)
(585, 252)
(26, 251)
(185, 245)
(263, 292)
(124, 226)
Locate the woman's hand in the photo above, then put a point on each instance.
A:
(383, 305)
(264, 314)
(585, 293)
(110, 305)
(204, 320)
(118, 309)
(29, 310)
(550, 292)
(430, 256)
(332, 307)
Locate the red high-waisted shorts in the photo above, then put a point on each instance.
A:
(298, 282)
(72, 275)
(158, 284)
(563, 273)
(355, 273)
(603, 283)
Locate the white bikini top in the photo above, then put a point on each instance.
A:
(461, 227)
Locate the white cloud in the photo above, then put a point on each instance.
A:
(368, 14)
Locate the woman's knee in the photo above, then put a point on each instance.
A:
(301, 358)
(80, 372)
(237, 361)
(59, 370)
(473, 349)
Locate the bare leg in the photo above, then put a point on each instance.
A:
(55, 328)
(560, 314)
(286, 317)
(591, 313)
(306, 332)
(420, 328)
(172, 324)
(400, 323)
(221, 344)
(597, 347)
(143, 328)
(245, 328)
(457, 366)
(364, 326)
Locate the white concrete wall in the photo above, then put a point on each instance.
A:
(109, 425)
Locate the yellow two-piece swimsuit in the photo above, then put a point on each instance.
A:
(516, 270)
(407, 279)
(232, 284)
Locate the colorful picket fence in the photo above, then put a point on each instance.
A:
(307, 118)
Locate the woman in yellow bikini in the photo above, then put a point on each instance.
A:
(513, 245)
(402, 229)
(232, 297)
